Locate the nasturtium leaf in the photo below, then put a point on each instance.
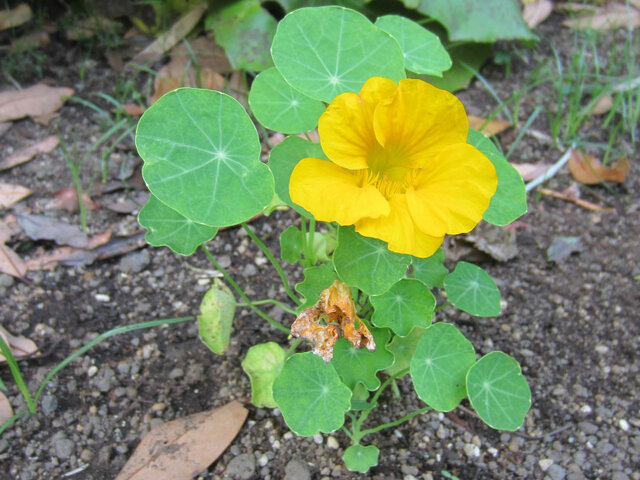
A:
(477, 21)
(325, 51)
(263, 364)
(310, 395)
(291, 244)
(360, 398)
(472, 290)
(403, 349)
(423, 52)
(166, 227)
(359, 458)
(315, 280)
(510, 200)
(359, 364)
(466, 58)
(217, 309)
(290, 5)
(280, 107)
(430, 271)
(201, 157)
(367, 263)
(283, 159)
(498, 392)
(245, 31)
(408, 303)
(439, 366)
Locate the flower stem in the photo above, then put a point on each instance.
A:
(395, 422)
(243, 295)
(293, 347)
(274, 262)
(269, 301)
(309, 242)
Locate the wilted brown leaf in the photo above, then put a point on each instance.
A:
(6, 412)
(10, 194)
(183, 448)
(10, 263)
(30, 40)
(529, 171)
(536, 12)
(23, 155)
(36, 101)
(497, 242)
(492, 127)
(588, 170)
(608, 17)
(114, 59)
(603, 105)
(133, 109)
(15, 17)
(67, 199)
(20, 346)
(171, 37)
(41, 227)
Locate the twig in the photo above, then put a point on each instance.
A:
(552, 170)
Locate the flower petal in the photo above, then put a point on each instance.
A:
(378, 89)
(450, 196)
(399, 230)
(419, 121)
(334, 194)
(346, 131)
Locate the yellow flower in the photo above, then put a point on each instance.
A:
(401, 169)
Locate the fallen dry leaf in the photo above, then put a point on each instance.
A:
(20, 346)
(497, 242)
(25, 154)
(10, 262)
(183, 448)
(15, 17)
(171, 37)
(133, 109)
(41, 227)
(114, 59)
(50, 259)
(67, 199)
(534, 13)
(529, 171)
(588, 170)
(603, 105)
(126, 204)
(10, 194)
(562, 248)
(6, 412)
(608, 17)
(492, 127)
(30, 40)
(36, 101)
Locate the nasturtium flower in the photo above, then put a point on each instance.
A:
(400, 167)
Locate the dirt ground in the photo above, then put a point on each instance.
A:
(572, 324)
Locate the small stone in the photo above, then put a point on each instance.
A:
(49, 404)
(297, 470)
(176, 373)
(604, 448)
(104, 379)
(556, 472)
(545, 463)
(471, 450)
(317, 438)
(263, 460)
(92, 371)
(134, 262)
(63, 447)
(6, 281)
(619, 476)
(242, 467)
(250, 270)
(86, 455)
(602, 349)
(122, 449)
(102, 297)
(588, 428)
(442, 432)
(624, 425)
(409, 470)
(586, 409)
(158, 407)
(332, 443)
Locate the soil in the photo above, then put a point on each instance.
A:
(572, 324)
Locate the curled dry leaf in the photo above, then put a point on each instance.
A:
(536, 12)
(10, 194)
(25, 154)
(588, 170)
(20, 346)
(183, 448)
(30, 40)
(492, 127)
(608, 17)
(6, 412)
(529, 171)
(37, 101)
(15, 17)
(603, 105)
(67, 199)
(10, 262)
(334, 315)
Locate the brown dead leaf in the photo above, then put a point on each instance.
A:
(41, 227)
(10, 262)
(534, 13)
(171, 37)
(6, 412)
(335, 307)
(608, 17)
(529, 171)
(23, 155)
(36, 101)
(20, 346)
(492, 127)
(603, 105)
(133, 109)
(114, 59)
(67, 199)
(497, 242)
(588, 170)
(183, 448)
(15, 17)
(30, 40)
(10, 194)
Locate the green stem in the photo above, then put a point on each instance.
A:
(440, 307)
(100, 338)
(293, 347)
(17, 375)
(274, 262)
(395, 422)
(237, 288)
(267, 301)
(309, 241)
(10, 421)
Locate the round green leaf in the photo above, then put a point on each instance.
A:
(498, 392)
(408, 303)
(263, 364)
(422, 49)
(279, 107)
(510, 200)
(359, 364)
(358, 458)
(430, 271)
(166, 227)
(217, 310)
(439, 366)
(403, 349)
(325, 51)
(310, 395)
(201, 157)
(367, 263)
(283, 159)
(472, 290)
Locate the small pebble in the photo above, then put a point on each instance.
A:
(158, 407)
(317, 438)
(624, 425)
(242, 467)
(471, 450)
(545, 463)
(263, 460)
(102, 297)
(297, 470)
(556, 472)
(332, 443)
